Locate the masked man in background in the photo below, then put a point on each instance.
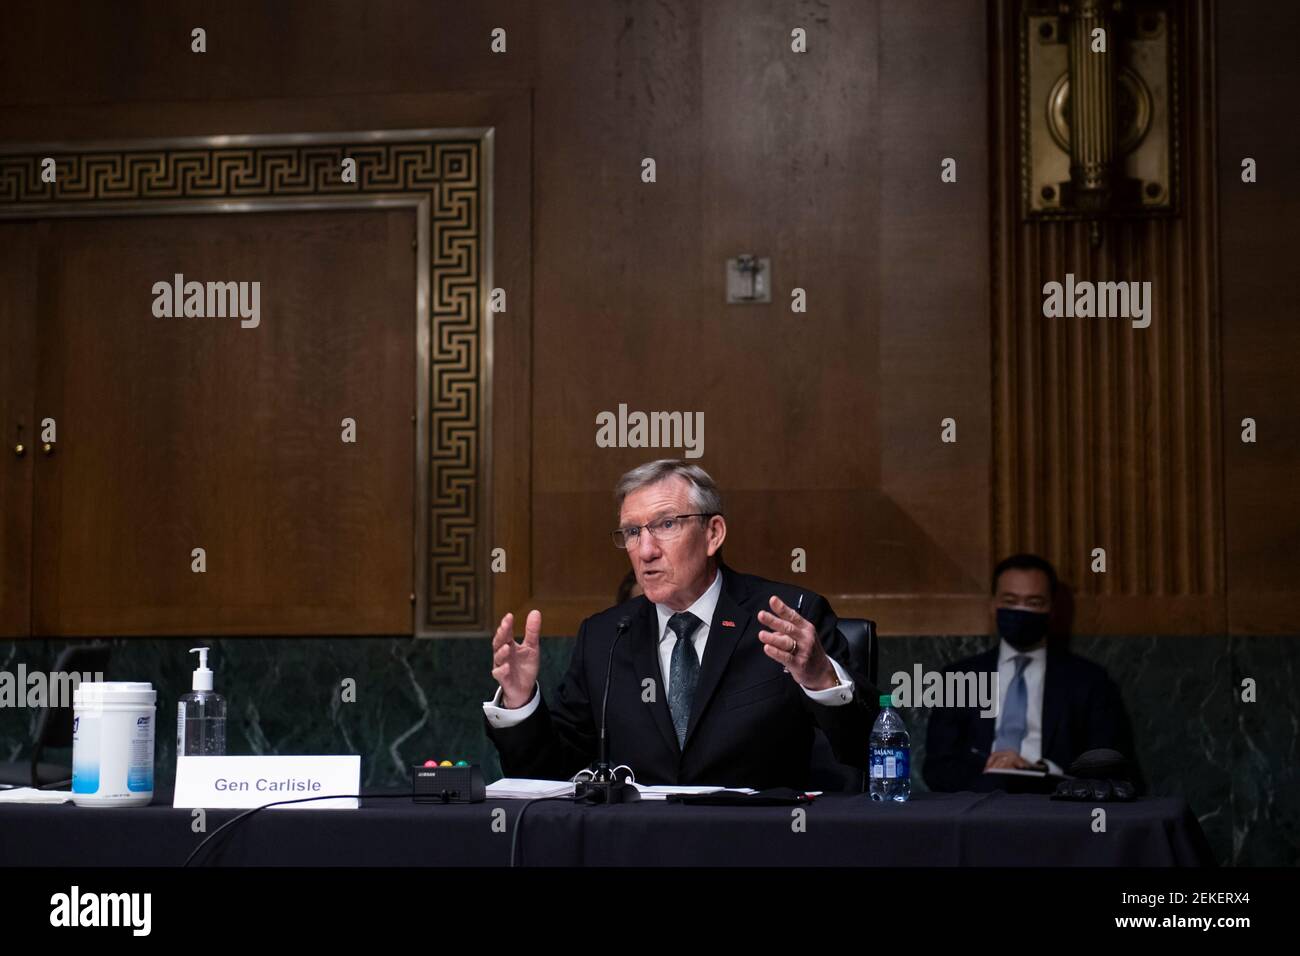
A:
(1053, 705)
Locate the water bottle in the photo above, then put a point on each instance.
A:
(890, 755)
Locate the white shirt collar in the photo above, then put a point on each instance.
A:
(1006, 652)
(703, 607)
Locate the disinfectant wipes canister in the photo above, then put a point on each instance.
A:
(112, 744)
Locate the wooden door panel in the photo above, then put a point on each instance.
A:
(18, 280)
(181, 433)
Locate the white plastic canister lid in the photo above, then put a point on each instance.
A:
(130, 693)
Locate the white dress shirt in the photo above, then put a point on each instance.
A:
(703, 608)
(1031, 748)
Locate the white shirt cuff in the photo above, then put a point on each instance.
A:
(834, 696)
(506, 716)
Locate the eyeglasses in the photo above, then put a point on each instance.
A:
(661, 529)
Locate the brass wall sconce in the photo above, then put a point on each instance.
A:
(1099, 131)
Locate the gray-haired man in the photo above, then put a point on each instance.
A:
(719, 678)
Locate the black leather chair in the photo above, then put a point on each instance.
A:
(54, 724)
(828, 773)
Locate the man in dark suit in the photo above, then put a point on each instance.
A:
(718, 678)
(1054, 705)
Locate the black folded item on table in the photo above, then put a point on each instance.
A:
(1095, 791)
(1098, 776)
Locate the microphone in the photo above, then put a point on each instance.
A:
(604, 786)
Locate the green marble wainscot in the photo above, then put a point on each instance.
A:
(1234, 762)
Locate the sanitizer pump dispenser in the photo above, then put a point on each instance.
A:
(201, 715)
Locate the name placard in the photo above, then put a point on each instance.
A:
(256, 781)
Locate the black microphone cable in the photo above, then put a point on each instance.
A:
(278, 803)
(247, 814)
(514, 838)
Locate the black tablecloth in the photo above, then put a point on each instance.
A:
(994, 829)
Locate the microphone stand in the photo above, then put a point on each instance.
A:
(605, 785)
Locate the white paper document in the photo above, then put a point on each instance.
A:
(522, 788)
(664, 791)
(29, 795)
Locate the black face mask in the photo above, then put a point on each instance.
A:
(1020, 628)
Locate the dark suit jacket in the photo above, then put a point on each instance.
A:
(1082, 710)
(751, 724)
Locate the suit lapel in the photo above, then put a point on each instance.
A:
(723, 640)
(1053, 698)
(644, 636)
(985, 726)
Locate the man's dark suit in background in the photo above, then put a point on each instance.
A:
(1082, 710)
(750, 724)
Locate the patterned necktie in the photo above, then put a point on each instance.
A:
(1014, 710)
(683, 672)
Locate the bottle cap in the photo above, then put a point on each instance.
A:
(202, 674)
(886, 700)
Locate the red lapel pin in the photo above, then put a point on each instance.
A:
(728, 623)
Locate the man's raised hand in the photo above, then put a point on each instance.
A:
(514, 664)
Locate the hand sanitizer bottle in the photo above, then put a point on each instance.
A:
(201, 715)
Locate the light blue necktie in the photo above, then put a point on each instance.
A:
(1014, 710)
(683, 672)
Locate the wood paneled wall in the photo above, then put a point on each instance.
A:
(1258, 83)
(822, 427)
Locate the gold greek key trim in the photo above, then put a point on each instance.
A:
(449, 168)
